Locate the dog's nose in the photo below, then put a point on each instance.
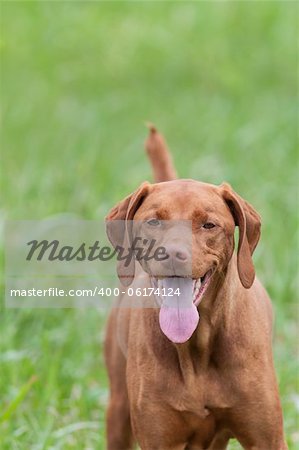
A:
(177, 254)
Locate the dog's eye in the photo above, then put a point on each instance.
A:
(208, 225)
(153, 222)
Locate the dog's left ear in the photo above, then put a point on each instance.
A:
(249, 223)
(120, 233)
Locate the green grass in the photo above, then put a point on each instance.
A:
(78, 81)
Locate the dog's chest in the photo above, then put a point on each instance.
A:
(189, 395)
(188, 400)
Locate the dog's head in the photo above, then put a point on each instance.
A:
(194, 223)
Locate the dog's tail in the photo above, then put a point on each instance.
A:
(159, 156)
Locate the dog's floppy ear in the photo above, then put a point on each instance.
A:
(119, 229)
(249, 223)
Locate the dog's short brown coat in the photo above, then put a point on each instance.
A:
(221, 382)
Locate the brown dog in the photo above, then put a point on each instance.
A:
(178, 383)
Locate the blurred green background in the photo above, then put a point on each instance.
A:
(78, 81)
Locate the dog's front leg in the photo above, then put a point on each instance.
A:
(258, 425)
(157, 428)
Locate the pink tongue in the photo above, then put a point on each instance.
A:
(178, 315)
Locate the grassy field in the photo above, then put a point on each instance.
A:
(78, 81)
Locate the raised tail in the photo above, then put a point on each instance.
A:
(159, 156)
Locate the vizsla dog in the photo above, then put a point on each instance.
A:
(191, 371)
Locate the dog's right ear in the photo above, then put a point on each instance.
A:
(119, 230)
(126, 208)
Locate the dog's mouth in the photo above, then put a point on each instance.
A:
(200, 285)
(164, 288)
(179, 298)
